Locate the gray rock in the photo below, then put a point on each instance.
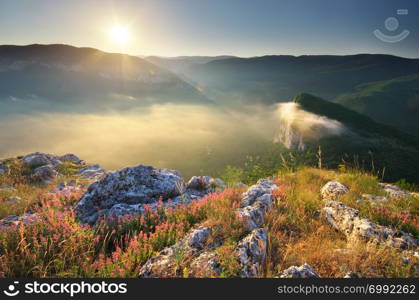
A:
(23, 220)
(45, 174)
(121, 210)
(263, 186)
(199, 255)
(201, 183)
(39, 159)
(206, 265)
(373, 199)
(303, 271)
(133, 185)
(199, 186)
(14, 199)
(166, 263)
(92, 172)
(198, 237)
(394, 191)
(220, 184)
(251, 252)
(161, 266)
(332, 190)
(254, 215)
(71, 158)
(255, 202)
(348, 221)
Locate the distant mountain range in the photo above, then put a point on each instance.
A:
(359, 91)
(56, 76)
(278, 78)
(383, 87)
(182, 63)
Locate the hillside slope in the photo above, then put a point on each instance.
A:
(394, 102)
(270, 79)
(365, 143)
(49, 77)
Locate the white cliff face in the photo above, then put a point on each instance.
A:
(297, 127)
(290, 137)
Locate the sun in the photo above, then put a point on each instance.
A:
(119, 34)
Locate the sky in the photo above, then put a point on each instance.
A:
(214, 27)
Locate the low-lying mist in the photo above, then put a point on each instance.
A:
(191, 139)
(298, 126)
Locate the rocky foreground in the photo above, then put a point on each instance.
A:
(112, 196)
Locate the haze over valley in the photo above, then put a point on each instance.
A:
(208, 139)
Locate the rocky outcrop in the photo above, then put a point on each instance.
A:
(204, 183)
(14, 199)
(394, 191)
(38, 159)
(206, 264)
(348, 221)
(251, 252)
(374, 200)
(303, 271)
(23, 220)
(45, 174)
(201, 257)
(262, 187)
(199, 186)
(71, 158)
(169, 261)
(129, 186)
(47, 167)
(256, 201)
(332, 190)
(254, 215)
(70, 187)
(92, 172)
(127, 191)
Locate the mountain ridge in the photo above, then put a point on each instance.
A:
(75, 76)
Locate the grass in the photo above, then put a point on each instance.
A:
(20, 183)
(69, 168)
(297, 234)
(58, 246)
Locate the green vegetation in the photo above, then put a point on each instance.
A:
(297, 234)
(273, 78)
(394, 102)
(377, 148)
(60, 247)
(69, 168)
